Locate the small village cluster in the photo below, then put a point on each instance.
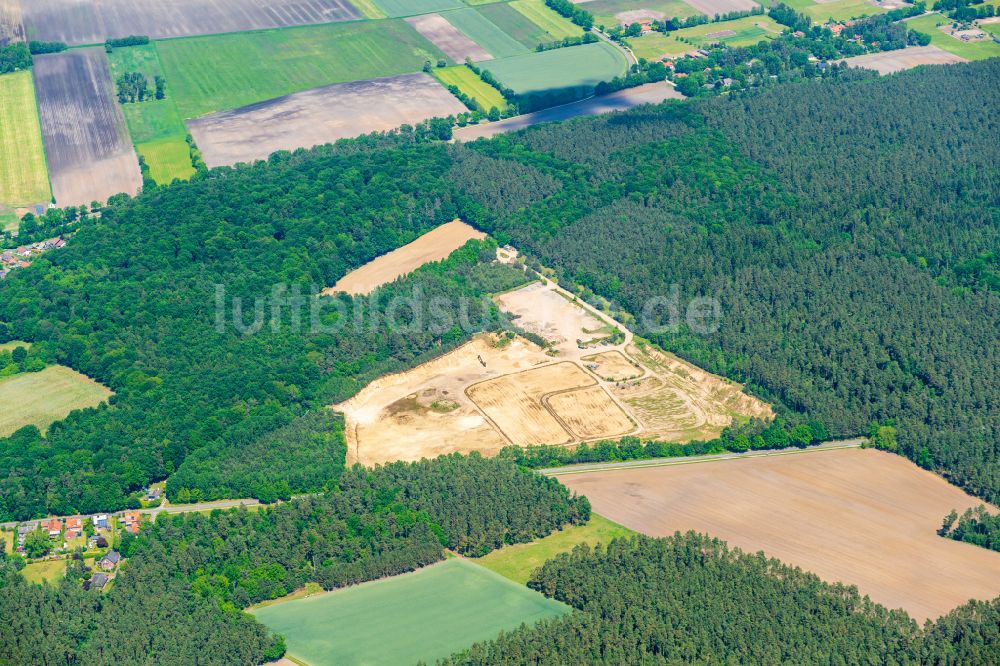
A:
(22, 257)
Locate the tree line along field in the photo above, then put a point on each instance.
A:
(24, 178)
(155, 126)
(579, 67)
(470, 84)
(421, 616)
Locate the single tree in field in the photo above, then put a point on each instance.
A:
(37, 543)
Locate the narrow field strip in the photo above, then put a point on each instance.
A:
(24, 177)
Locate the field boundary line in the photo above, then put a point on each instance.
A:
(671, 462)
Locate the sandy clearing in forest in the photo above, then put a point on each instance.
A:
(858, 516)
(539, 309)
(435, 245)
(888, 62)
(394, 417)
(515, 403)
(589, 413)
(448, 38)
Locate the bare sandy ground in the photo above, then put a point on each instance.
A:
(713, 7)
(394, 418)
(497, 391)
(650, 93)
(888, 62)
(861, 517)
(539, 309)
(448, 38)
(435, 245)
(92, 21)
(321, 115)
(89, 152)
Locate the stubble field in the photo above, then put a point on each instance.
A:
(416, 617)
(90, 154)
(435, 245)
(24, 178)
(318, 116)
(41, 398)
(862, 517)
(93, 21)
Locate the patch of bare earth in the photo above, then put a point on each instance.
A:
(87, 145)
(888, 62)
(319, 116)
(435, 245)
(448, 38)
(713, 7)
(861, 517)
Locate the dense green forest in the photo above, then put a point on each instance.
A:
(848, 227)
(977, 526)
(133, 302)
(690, 599)
(177, 598)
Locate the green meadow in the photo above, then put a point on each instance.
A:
(419, 616)
(574, 67)
(222, 72)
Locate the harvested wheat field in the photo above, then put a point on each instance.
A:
(435, 245)
(515, 402)
(887, 62)
(424, 412)
(857, 516)
(589, 413)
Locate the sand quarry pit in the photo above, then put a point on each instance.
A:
(435, 245)
(498, 390)
(858, 516)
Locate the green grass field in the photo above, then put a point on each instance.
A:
(574, 67)
(414, 7)
(515, 24)
(471, 85)
(605, 11)
(841, 10)
(749, 30)
(41, 398)
(517, 562)
(798, 5)
(153, 120)
(9, 221)
(228, 71)
(655, 45)
(24, 177)
(546, 19)
(47, 571)
(482, 31)
(167, 158)
(424, 615)
(972, 51)
(369, 8)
